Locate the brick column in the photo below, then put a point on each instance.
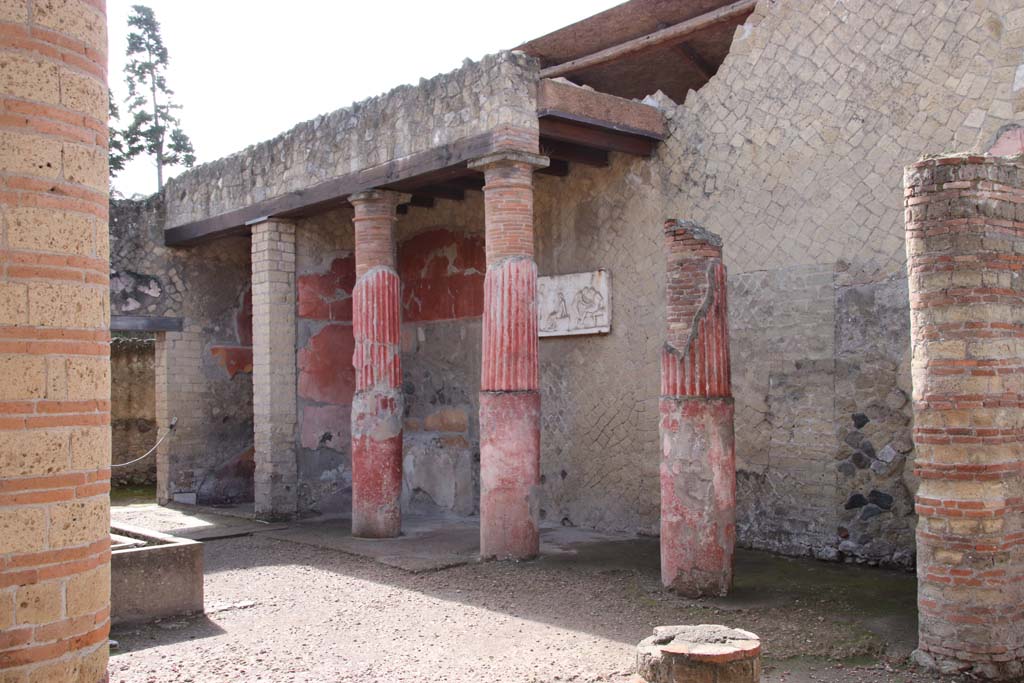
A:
(509, 387)
(378, 405)
(54, 343)
(273, 368)
(965, 249)
(698, 464)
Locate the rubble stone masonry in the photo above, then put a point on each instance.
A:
(965, 247)
(54, 342)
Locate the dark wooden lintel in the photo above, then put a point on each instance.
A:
(581, 133)
(578, 154)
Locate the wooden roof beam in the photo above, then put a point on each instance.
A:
(671, 35)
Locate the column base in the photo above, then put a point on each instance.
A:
(377, 464)
(509, 475)
(698, 495)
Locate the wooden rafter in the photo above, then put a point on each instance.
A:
(667, 36)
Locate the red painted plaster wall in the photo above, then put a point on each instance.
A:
(442, 276)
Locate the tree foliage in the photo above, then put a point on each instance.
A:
(153, 129)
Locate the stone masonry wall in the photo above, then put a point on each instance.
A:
(793, 153)
(496, 92)
(204, 373)
(132, 408)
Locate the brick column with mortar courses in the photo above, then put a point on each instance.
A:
(698, 464)
(54, 343)
(273, 369)
(509, 388)
(965, 249)
(378, 403)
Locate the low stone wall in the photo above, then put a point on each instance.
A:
(133, 408)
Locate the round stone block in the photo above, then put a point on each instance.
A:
(706, 653)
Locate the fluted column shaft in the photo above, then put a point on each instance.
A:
(377, 407)
(509, 386)
(698, 466)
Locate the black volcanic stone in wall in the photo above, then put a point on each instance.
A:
(857, 500)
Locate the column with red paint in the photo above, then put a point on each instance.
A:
(698, 465)
(509, 388)
(377, 407)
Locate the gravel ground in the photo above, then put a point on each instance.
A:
(284, 612)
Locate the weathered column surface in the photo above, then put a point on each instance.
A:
(704, 653)
(273, 369)
(54, 343)
(965, 249)
(698, 465)
(509, 386)
(377, 407)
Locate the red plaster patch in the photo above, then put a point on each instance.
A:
(325, 366)
(442, 276)
(326, 427)
(243, 320)
(235, 359)
(328, 296)
(1009, 143)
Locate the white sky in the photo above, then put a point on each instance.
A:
(246, 70)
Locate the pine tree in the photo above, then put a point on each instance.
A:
(118, 146)
(154, 129)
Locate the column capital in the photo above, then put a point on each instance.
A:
(537, 161)
(379, 195)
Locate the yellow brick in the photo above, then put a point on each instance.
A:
(39, 603)
(14, 676)
(56, 671)
(24, 377)
(6, 608)
(57, 379)
(89, 592)
(31, 155)
(14, 11)
(65, 305)
(90, 448)
(85, 164)
(83, 94)
(13, 303)
(29, 77)
(33, 453)
(88, 378)
(67, 232)
(73, 18)
(79, 522)
(22, 530)
(92, 666)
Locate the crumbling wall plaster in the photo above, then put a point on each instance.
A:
(132, 408)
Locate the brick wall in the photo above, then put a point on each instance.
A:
(54, 343)
(274, 411)
(965, 244)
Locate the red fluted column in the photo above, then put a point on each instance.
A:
(509, 387)
(377, 405)
(698, 466)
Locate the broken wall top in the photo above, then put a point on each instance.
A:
(499, 91)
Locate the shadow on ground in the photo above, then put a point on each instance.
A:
(811, 615)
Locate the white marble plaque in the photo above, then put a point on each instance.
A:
(577, 303)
